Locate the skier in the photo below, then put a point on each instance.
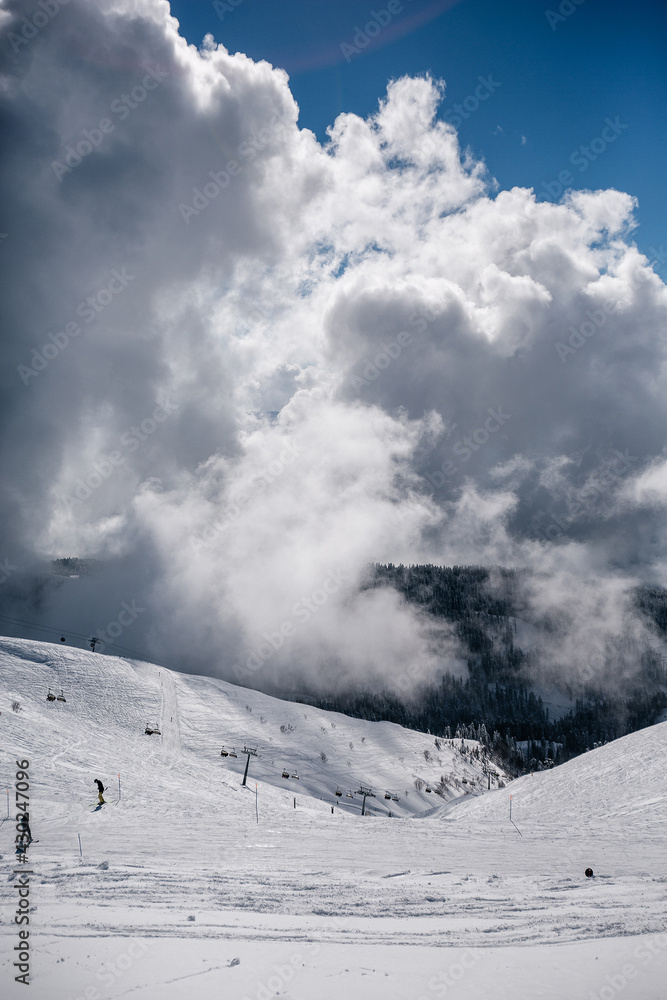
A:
(100, 789)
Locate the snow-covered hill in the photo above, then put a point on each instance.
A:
(619, 786)
(110, 702)
(185, 881)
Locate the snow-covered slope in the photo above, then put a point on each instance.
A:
(110, 701)
(184, 882)
(618, 786)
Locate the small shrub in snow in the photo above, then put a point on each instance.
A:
(16, 706)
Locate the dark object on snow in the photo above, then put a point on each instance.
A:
(100, 789)
(589, 873)
(152, 730)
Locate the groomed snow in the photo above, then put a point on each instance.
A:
(450, 901)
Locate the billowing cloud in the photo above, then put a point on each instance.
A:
(241, 365)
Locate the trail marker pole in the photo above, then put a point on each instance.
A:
(119, 786)
(80, 849)
(7, 803)
(510, 808)
(256, 812)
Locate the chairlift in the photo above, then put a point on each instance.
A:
(295, 775)
(61, 696)
(50, 696)
(152, 730)
(233, 753)
(394, 798)
(349, 795)
(338, 792)
(428, 789)
(285, 773)
(464, 780)
(387, 795)
(223, 753)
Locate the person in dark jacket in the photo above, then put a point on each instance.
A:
(100, 789)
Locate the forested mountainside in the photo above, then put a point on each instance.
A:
(498, 702)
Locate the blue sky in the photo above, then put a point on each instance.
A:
(560, 77)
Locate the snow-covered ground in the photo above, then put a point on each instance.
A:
(187, 882)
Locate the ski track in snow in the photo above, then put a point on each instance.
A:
(183, 841)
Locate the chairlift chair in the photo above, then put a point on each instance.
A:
(338, 792)
(428, 789)
(61, 696)
(285, 773)
(295, 775)
(152, 730)
(394, 798)
(387, 795)
(349, 795)
(50, 696)
(223, 753)
(233, 753)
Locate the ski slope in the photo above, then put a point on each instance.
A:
(188, 881)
